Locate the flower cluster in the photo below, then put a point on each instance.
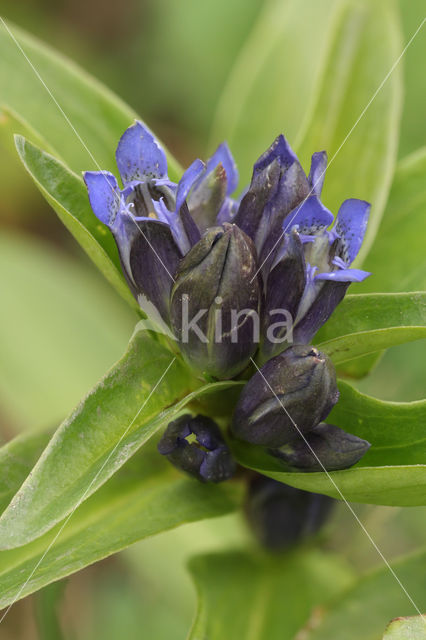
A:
(216, 271)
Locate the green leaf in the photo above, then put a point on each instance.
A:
(67, 194)
(397, 259)
(364, 610)
(278, 72)
(61, 328)
(244, 596)
(411, 628)
(313, 79)
(393, 472)
(85, 451)
(394, 429)
(368, 323)
(17, 458)
(96, 114)
(146, 497)
(126, 408)
(357, 114)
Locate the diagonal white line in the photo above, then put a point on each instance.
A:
(83, 497)
(341, 495)
(379, 88)
(79, 138)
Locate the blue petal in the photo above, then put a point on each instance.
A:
(223, 156)
(311, 216)
(344, 275)
(104, 195)
(351, 224)
(279, 149)
(187, 182)
(139, 156)
(317, 172)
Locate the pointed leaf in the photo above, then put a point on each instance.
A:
(244, 596)
(97, 116)
(368, 323)
(393, 472)
(364, 610)
(67, 194)
(146, 497)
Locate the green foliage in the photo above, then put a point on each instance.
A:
(311, 78)
(391, 473)
(98, 484)
(364, 324)
(98, 117)
(146, 497)
(67, 194)
(397, 260)
(364, 610)
(242, 595)
(411, 628)
(116, 418)
(56, 312)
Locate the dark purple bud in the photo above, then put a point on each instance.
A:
(215, 302)
(195, 445)
(325, 447)
(278, 185)
(291, 393)
(281, 516)
(284, 289)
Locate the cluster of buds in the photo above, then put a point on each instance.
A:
(239, 281)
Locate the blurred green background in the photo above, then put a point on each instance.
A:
(62, 325)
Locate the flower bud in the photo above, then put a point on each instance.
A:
(207, 457)
(215, 302)
(291, 393)
(280, 515)
(325, 447)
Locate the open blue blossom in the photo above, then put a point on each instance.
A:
(149, 216)
(305, 266)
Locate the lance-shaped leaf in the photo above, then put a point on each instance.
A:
(66, 193)
(121, 413)
(368, 323)
(146, 497)
(392, 472)
(397, 260)
(17, 458)
(98, 116)
(245, 596)
(331, 64)
(364, 610)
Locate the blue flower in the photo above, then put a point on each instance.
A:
(283, 253)
(149, 216)
(305, 266)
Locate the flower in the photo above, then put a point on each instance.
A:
(297, 387)
(149, 217)
(206, 457)
(216, 286)
(324, 447)
(281, 516)
(275, 248)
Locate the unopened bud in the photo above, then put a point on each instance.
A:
(215, 302)
(281, 516)
(325, 447)
(289, 395)
(195, 445)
